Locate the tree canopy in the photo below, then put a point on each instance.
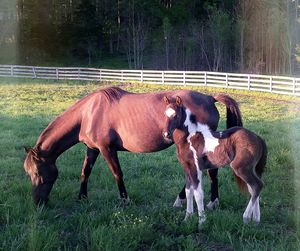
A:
(255, 36)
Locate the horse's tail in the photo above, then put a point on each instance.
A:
(263, 159)
(233, 113)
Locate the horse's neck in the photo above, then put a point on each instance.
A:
(60, 135)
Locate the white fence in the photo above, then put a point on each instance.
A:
(274, 84)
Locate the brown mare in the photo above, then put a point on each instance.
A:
(112, 120)
(199, 148)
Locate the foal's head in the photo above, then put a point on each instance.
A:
(42, 173)
(174, 116)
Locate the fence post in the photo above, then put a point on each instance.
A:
(294, 85)
(184, 79)
(57, 73)
(12, 70)
(205, 78)
(100, 75)
(122, 76)
(142, 80)
(248, 82)
(271, 83)
(163, 77)
(78, 74)
(33, 70)
(226, 77)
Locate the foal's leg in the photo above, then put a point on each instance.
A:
(89, 161)
(214, 197)
(189, 202)
(199, 196)
(247, 174)
(111, 157)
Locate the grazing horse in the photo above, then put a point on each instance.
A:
(199, 148)
(111, 120)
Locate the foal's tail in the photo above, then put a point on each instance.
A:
(263, 159)
(233, 113)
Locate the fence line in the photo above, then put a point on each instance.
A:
(266, 83)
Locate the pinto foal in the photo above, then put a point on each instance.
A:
(198, 149)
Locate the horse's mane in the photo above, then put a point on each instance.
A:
(113, 93)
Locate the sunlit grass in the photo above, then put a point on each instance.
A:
(153, 180)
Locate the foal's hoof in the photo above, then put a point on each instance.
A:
(213, 204)
(246, 220)
(187, 216)
(179, 202)
(202, 219)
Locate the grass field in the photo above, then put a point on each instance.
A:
(153, 180)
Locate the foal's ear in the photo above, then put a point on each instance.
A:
(167, 101)
(178, 100)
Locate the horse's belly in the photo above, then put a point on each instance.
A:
(143, 143)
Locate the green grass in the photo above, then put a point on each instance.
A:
(153, 180)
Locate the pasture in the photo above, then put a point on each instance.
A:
(153, 181)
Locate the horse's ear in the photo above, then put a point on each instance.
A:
(178, 100)
(167, 101)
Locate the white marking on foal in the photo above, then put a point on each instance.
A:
(210, 142)
(198, 191)
(170, 112)
(253, 209)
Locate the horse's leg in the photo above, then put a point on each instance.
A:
(88, 163)
(181, 198)
(111, 157)
(214, 197)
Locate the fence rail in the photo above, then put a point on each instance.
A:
(274, 84)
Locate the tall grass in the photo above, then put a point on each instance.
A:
(153, 180)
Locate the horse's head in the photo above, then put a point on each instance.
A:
(42, 173)
(174, 116)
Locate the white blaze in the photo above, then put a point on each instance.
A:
(170, 112)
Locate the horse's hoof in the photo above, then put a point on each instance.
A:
(179, 202)
(213, 204)
(125, 201)
(82, 199)
(82, 196)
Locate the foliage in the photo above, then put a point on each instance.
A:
(234, 35)
(153, 180)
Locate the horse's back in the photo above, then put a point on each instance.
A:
(134, 121)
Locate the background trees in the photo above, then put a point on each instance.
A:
(258, 36)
